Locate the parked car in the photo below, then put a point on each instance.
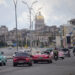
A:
(10, 48)
(22, 58)
(3, 59)
(66, 52)
(42, 57)
(48, 51)
(61, 54)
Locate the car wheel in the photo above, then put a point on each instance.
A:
(30, 64)
(49, 61)
(62, 58)
(1, 64)
(35, 62)
(4, 64)
(14, 64)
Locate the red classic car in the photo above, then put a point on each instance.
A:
(42, 57)
(22, 58)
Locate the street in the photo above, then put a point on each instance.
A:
(37, 37)
(60, 67)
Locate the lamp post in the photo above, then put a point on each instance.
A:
(15, 4)
(30, 9)
(30, 13)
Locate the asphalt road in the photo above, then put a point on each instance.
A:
(60, 67)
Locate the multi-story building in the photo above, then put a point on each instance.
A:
(21, 35)
(72, 23)
(43, 34)
(68, 30)
(3, 33)
(3, 30)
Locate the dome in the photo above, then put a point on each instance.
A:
(40, 16)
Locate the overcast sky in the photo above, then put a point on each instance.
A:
(55, 12)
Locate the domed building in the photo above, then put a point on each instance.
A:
(39, 22)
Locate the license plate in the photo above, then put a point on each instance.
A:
(40, 58)
(21, 61)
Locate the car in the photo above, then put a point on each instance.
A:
(71, 47)
(42, 57)
(22, 58)
(66, 52)
(10, 48)
(61, 54)
(48, 51)
(3, 59)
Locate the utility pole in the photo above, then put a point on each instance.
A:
(15, 4)
(30, 13)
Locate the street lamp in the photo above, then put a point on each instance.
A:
(15, 4)
(30, 9)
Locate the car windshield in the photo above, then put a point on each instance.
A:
(65, 49)
(44, 53)
(22, 54)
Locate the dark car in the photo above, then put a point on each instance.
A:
(22, 58)
(48, 51)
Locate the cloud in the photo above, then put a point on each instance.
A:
(23, 20)
(3, 2)
(55, 12)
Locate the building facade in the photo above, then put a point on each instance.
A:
(3, 33)
(43, 35)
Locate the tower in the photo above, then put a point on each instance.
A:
(39, 22)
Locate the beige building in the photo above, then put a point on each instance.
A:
(3, 33)
(43, 35)
(21, 35)
(68, 30)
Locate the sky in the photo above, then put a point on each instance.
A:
(55, 12)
